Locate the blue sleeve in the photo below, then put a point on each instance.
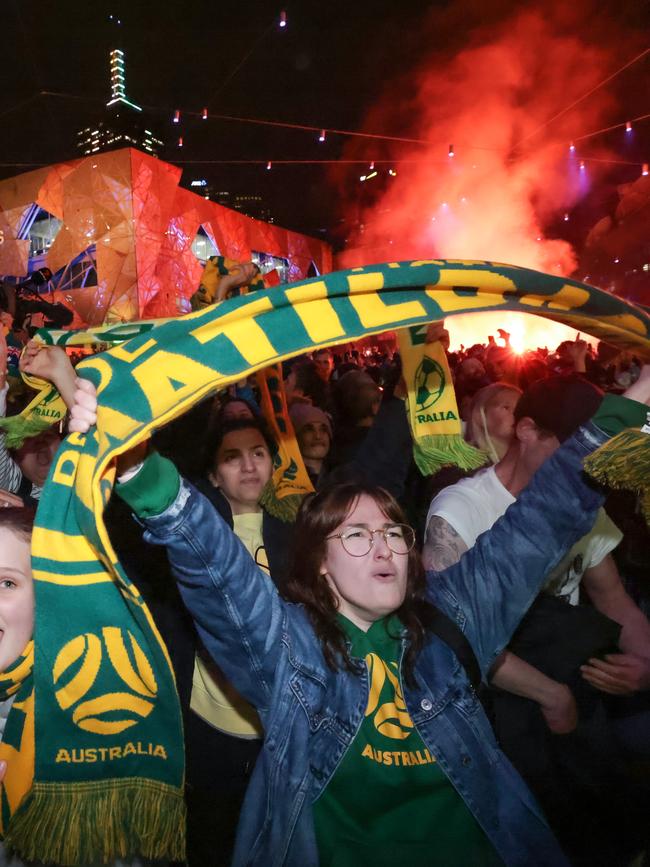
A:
(494, 583)
(235, 606)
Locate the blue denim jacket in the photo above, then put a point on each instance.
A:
(269, 651)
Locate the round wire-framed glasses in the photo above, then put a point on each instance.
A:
(358, 541)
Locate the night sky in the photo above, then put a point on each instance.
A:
(324, 68)
(327, 68)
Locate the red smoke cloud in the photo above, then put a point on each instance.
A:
(508, 179)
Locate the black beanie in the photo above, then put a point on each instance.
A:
(559, 404)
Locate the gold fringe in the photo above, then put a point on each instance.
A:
(76, 824)
(623, 463)
(18, 429)
(285, 509)
(434, 451)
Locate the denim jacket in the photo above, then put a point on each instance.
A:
(268, 649)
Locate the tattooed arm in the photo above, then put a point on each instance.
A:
(442, 545)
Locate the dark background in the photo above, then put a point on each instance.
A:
(327, 68)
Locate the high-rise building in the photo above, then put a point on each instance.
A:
(123, 124)
(251, 204)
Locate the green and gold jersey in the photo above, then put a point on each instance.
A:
(389, 804)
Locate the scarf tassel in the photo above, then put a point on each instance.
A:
(434, 451)
(18, 429)
(623, 463)
(74, 824)
(284, 508)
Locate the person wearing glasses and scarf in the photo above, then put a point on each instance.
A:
(376, 748)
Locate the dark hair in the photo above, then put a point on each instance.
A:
(319, 516)
(309, 382)
(219, 432)
(18, 520)
(229, 399)
(354, 396)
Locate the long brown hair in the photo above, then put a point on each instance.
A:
(319, 516)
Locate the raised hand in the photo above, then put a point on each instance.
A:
(83, 412)
(52, 364)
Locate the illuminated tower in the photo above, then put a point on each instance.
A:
(118, 92)
(123, 124)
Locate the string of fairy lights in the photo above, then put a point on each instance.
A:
(322, 132)
(451, 153)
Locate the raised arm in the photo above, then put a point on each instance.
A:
(443, 546)
(496, 581)
(235, 607)
(52, 364)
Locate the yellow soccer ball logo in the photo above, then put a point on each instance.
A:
(391, 717)
(75, 672)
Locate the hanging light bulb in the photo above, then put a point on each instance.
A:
(628, 126)
(371, 167)
(582, 165)
(566, 218)
(268, 166)
(177, 116)
(283, 18)
(644, 170)
(204, 114)
(451, 150)
(180, 141)
(572, 147)
(321, 137)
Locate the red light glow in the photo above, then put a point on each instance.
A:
(510, 201)
(526, 331)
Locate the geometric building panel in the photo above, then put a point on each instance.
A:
(127, 208)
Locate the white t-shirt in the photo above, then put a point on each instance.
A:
(472, 505)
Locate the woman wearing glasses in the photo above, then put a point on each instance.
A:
(376, 749)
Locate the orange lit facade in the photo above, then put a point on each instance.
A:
(125, 211)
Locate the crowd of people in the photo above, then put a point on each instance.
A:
(449, 670)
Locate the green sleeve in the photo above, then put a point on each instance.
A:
(153, 488)
(617, 413)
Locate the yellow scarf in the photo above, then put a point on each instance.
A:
(46, 409)
(290, 480)
(17, 747)
(431, 406)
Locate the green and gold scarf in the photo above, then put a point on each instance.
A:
(17, 747)
(431, 406)
(108, 767)
(623, 463)
(290, 481)
(44, 410)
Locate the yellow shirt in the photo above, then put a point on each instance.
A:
(214, 699)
